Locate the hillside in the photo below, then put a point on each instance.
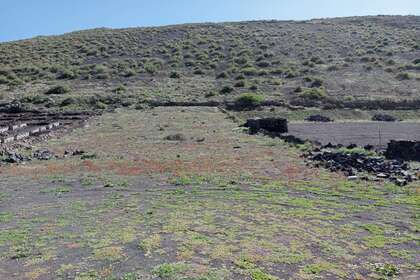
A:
(235, 151)
(325, 62)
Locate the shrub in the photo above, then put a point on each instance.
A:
(68, 101)
(263, 64)
(226, 89)
(175, 75)
(198, 71)
(60, 89)
(3, 80)
(249, 100)
(249, 71)
(222, 75)
(150, 68)
(66, 74)
(120, 89)
(403, 76)
(240, 83)
(313, 94)
(317, 82)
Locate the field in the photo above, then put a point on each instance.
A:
(183, 193)
(377, 134)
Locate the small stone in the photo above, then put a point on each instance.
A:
(352, 178)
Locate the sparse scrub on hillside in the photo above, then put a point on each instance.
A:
(59, 89)
(212, 56)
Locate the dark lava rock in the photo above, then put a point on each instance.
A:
(383, 118)
(318, 118)
(351, 146)
(352, 163)
(43, 155)
(13, 157)
(175, 137)
(271, 125)
(292, 140)
(404, 150)
(74, 153)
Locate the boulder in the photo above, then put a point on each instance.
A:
(271, 125)
(403, 150)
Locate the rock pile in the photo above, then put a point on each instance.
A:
(404, 150)
(383, 118)
(270, 125)
(7, 156)
(353, 163)
(318, 118)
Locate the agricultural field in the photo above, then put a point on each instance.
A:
(183, 193)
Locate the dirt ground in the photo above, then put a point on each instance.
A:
(377, 134)
(213, 204)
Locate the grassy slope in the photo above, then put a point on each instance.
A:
(367, 57)
(231, 206)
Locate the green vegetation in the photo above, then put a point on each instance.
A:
(248, 100)
(313, 94)
(221, 59)
(61, 89)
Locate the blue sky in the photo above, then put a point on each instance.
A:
(28, 18)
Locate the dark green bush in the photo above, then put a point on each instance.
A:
(226, 90)
(240, 83)
(59, 89)
(120, 89)
(249, 100)
(313, 94)
(68, 101)
(222, 75)
(175, 75)
(403, 76)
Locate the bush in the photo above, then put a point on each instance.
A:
(151, 68)
(222, 75)
(263, 64)
(249, 71)
(3, 80)
(403, 76)
(198, 71)
(240, 83)
(248, 100)
(68, 101)
(175, 75)
(60, 89)
(226, 89)
(313, 94)
(120, 89)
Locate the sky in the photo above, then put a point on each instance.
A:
(20, 19)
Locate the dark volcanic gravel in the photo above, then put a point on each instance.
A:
(377, 134)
